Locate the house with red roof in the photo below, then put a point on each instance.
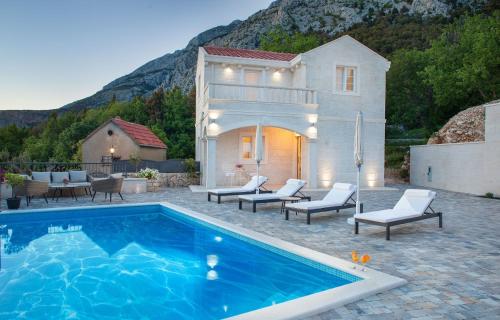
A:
(307, 105)
(118, 139)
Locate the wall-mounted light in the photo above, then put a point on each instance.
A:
(112, 150)
(277, 75)
(312, 118)
(228, 71)
(212, 120)
(371, 179)
(313, 124)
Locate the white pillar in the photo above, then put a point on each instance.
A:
(312, 163)
(211, 158)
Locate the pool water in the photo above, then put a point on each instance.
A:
(143, 262)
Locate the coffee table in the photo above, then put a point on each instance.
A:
(284, 200)
(58, 188)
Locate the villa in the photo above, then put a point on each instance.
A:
(307, 104)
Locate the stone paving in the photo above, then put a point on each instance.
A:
(452, 273)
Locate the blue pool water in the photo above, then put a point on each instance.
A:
(143, 262)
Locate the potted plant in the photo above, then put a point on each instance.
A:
(152, 175)
(14, 181)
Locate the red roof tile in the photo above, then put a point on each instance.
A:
(251, 54)
(139, 133)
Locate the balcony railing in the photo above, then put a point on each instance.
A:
(238, 92)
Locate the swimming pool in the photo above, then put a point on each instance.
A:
(161, 261)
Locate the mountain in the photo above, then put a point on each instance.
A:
(325, 16)
(23, 118)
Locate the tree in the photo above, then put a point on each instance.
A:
(464, 64)
(279, 40)
(409, 99)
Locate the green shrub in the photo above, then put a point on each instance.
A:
(190, 167)
(14, 180)
(404, 174)
(488, 195)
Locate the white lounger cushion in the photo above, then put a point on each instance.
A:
(385, 216)
(340, 193)
(251, 185)
(415, 201)
(289, 189)
(412, 204)
(261, 196)
(311, 205)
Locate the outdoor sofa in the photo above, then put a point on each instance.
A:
(339, 197)
(249, 188)
(414, 205)
(55, 182)
(290, 189)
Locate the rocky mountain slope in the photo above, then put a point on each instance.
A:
(328, 16)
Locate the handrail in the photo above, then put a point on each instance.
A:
(259, 93)
(255, 86)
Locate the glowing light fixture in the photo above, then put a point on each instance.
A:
(212, 260)
(212, 275)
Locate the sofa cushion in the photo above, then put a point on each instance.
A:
(41, 176)
(58, 177)
(78, 175)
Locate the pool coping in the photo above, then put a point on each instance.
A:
(372, 282)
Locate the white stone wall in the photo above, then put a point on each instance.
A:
(463, 167)
(337, 112)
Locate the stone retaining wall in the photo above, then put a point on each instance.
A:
(172, 180)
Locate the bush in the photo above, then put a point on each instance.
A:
(190, 167)
(404, 174)
(488, 195)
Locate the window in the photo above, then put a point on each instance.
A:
(346, 79)
(247, 148)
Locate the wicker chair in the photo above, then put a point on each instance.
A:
(109, 185)
(34, 188)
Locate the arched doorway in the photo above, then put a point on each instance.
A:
(283, 154)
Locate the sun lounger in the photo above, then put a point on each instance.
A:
(291, 188)
(340, 197)
(414, 205)
(249, 188)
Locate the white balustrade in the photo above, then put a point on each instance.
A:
(219, 91)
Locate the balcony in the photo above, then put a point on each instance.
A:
(218, 92)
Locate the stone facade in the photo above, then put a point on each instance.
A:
(300, 97)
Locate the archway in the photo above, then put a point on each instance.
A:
(283, 156)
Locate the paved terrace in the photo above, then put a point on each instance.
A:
(453, 273)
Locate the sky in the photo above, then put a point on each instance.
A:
(53, 52)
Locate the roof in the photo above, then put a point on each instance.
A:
(142, 135)
(249, 54)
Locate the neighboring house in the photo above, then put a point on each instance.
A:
(471, 167)
(307, 104)
(119, 139)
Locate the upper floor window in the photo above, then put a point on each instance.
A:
(346, 79)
